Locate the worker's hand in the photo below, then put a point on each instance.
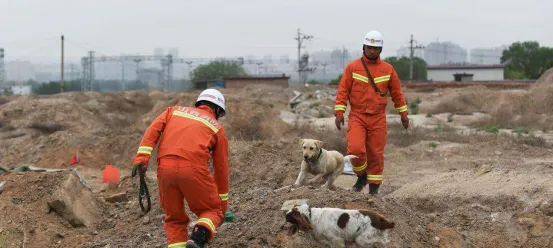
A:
(139, 168)
(339, 121)
(405, 121)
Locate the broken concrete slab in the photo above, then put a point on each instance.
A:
(289, 204)
(119, 197)
(2, 184)
(74, 202)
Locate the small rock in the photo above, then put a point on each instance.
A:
(41, 146)
(528, 222)
(60, 235)
(117, 204)
(9, 221)
(59, 242)
(498, 153)
(119, 197)
(95, 233)
(107, 246)
(146, 220)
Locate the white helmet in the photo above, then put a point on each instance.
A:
(213, 96)
(374, 38)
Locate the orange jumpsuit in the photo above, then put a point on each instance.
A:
(189, 136)
(366, 132)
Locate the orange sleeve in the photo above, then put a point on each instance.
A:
(396, 94)
(342, 95)
(151, 136)
(220, 166)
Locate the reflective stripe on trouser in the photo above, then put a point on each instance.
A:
(177, 245)
(179, 179)
(366, 136)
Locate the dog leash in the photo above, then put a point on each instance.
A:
(143, 191)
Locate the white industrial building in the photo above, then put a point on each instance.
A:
(465, 73)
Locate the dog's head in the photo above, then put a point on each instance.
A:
(297, 216)
(310, 149)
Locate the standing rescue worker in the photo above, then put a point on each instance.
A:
(188, 137)
(365, 83)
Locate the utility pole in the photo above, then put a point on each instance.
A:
(301, 37)
(324, 64)
(412, 54)
(62, 69)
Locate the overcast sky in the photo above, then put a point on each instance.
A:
(30, 29)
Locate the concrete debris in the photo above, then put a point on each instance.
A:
(2, 186)
(119, 197)
(318, 104)
(35, 169)
(75, 203)
(287, 205)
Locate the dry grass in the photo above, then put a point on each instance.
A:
(332, 140)
(3, 100)
(467, 100)
(398, 136)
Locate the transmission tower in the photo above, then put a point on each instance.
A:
(411, 55)
(301, 37)
(2, 68)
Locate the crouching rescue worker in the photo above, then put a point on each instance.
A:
(365, 83)
(187, 137)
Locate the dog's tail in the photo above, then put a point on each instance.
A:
(349, 157)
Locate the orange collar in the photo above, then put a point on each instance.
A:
(368, 61)
(208, 109)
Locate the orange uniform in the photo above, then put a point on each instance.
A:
(189, 136)
(366, 132)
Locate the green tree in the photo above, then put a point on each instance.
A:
(401, 65)
(217, 70)
(54, 87)
(526, 60)
(336, 80)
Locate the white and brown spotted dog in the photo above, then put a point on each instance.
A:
(320, 162)
(335, 227)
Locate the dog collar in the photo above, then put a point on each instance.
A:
(320, 152)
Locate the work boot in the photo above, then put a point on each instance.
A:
(199, 237)
(361, 182)
(373, 188)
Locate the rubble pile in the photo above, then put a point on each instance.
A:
(318, 104)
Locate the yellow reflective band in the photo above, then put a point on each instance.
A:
(402, 109)
(189, 116)
(145, 150)
(340, 107)
(374, 177)
(360, 168)
(360, 77)
(208, 222)
(224, 197)
(382, 79)
(177, 245)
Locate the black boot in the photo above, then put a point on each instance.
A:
(361, 182)
(199, 237)
(373, 188)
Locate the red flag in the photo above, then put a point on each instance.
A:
(110, 174)
(74, 160)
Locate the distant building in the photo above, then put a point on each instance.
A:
(241, 82)
(487, 56)
(21, 90)
(465, 73)
(442, 53)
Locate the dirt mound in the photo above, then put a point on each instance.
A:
(546, 77)
(47, 209)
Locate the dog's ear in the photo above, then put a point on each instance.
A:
(301, 142)
(319, 143)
